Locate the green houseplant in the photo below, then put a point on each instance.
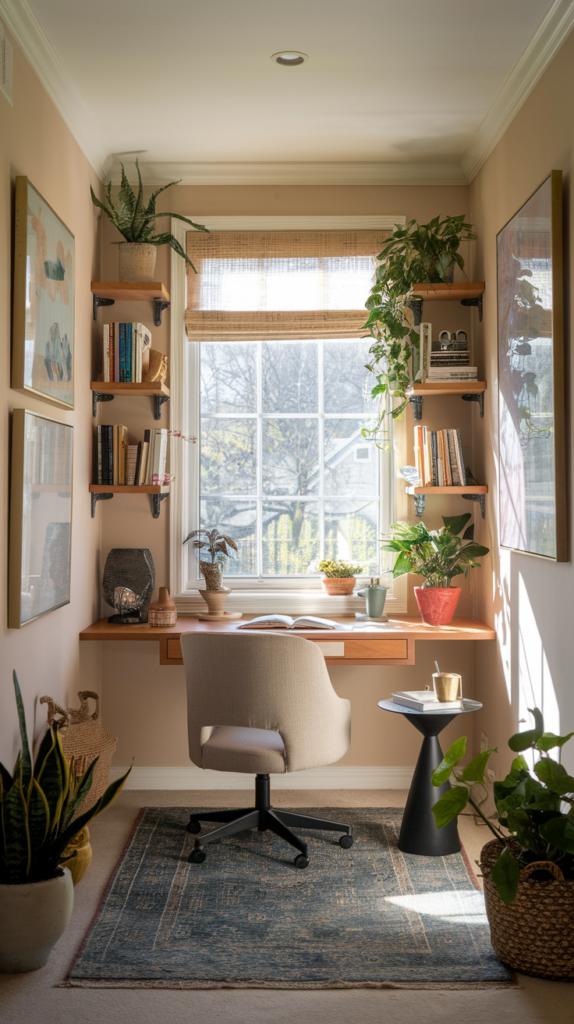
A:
(338, 577)
(438, 556)
(220, 546)
(528, 867)
(136, 222)
(38, 801)
(412, 255)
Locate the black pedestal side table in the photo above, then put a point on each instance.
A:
(419, 833)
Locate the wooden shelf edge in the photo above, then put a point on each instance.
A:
(467, 489)
(128, 489)
(473, 387)
(441, 291)
(141, 388)
(130, 290)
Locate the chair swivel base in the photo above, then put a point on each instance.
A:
(264, 818)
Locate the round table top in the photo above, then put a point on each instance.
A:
(469, 705)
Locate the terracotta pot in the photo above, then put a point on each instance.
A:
(437, 604)
(32, 919)
(137, 261)
(215, 600)
(338, 585)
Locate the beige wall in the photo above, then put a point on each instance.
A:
(145, 704)
(528, 599)
(34, 141)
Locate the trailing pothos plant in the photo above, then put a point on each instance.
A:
(37, 806)
(436, 555)
(135, 221)
(531, 822)
(413, 254)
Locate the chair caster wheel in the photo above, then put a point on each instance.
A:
(346, 842)
(196, 857)
(194, 827)
(301, 861)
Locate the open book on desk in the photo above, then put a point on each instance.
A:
(286, 622)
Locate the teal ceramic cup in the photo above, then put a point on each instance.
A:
(375, 598)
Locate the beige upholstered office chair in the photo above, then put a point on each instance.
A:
(261, 703)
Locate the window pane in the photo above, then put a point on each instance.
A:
(228, 377)
(228, 456)
(237, 519)
(351, 463)
(289, 371)
(290, 456)
(352, 533)
(290, 537)
(347, 383)
(304, 283)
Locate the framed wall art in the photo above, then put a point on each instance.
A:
(531, 383)
(40, 517)
(43, 317)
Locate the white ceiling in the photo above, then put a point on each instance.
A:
(399, 82)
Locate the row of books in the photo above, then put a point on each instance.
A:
(427, 700)
(439, 457)
(125, 352)
(124, 464)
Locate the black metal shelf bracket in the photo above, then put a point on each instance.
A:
(417, 404)
(476, 398)
(156, 500)
(480, 498)
(158, 307)
(158, 401)
(99, 301)
(474, 302)
(98, 497)
(97, 396)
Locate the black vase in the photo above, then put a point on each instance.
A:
(133, 568)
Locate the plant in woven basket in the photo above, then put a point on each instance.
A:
(37, 806)
(530, 821)
(220, 546)
(413, 254)
(337, 569)
(135, 221)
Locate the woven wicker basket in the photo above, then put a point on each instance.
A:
(535, 933)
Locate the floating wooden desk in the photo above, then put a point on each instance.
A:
(392, 645)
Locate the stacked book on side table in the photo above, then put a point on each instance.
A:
(427, 700)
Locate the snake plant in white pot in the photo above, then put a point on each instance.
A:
(38, 801)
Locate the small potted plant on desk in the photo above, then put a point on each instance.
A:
(438, 556)
(338, 577)
(220, 547)
(528, 868)
(38, 802)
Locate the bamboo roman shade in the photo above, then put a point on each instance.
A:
(261, 285)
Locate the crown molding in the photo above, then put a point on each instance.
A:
(524, 75)
(312, 173)
(28, 33)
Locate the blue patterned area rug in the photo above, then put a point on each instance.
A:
(368, 917)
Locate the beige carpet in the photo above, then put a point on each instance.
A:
(33, 999)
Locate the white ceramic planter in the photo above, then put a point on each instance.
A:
(32, 919)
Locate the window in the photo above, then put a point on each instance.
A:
(276, 391)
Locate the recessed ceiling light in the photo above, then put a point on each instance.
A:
(289, 58)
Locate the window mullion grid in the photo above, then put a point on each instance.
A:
(321, 448)
(259, 460)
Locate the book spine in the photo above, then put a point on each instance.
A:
(99, 456)
(446, 457)
(434, 456)
(143, 463)
(460, 454)
(419, 452)
(148, 441)
(122, 352)
(109, 455)
(106, 352)
(155, 479)
(116, 352)
(440, 463)
(452, 457)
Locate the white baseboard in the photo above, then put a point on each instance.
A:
(313, 778)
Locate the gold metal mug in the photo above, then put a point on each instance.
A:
(447, 686)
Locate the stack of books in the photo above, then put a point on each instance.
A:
(124, 464)
(439, 457)
(125, 352)
(448, 373)
(446, 360)
(426, 700)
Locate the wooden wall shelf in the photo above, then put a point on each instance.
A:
(104, 492)
(392, 645)
(472, 492)
(449, 292)
(105, 391)
(107, 292)
(471, 391)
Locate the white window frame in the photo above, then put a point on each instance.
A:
(289, 595)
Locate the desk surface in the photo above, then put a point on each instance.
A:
(400, 627)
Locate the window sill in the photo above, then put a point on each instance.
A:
(287, 602)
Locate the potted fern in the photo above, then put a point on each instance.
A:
(136, 223)
(38, 802)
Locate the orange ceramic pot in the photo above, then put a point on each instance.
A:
(337, 585)
(437, 604)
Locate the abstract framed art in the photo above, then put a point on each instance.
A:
(43, 317)
(40, 517)
(531, 381)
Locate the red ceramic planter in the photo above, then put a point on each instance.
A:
(437, 604)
